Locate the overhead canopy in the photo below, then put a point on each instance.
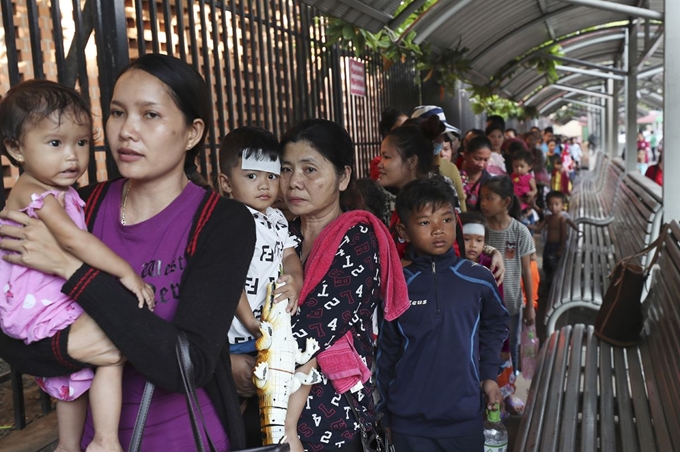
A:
(602, 47)
(371, 15)
(496, 32)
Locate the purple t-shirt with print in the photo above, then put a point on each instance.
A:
(155, 249)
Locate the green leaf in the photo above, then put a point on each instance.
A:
(348, 32)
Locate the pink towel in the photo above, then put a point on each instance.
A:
(392, 283)
(342, 364)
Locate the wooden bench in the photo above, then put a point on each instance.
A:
(581, 278)
(588, 395)
(596, 200)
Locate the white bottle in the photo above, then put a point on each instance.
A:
(495, 434)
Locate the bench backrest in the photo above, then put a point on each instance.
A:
(662, 331)
(608, 190)
(637, 215)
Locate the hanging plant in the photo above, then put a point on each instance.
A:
(446, 67)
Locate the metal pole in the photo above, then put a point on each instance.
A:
(604, 125)
(619, 8)
(440, 20)
(631, 99)
(579, 70)
(671, 111)
(611, 120)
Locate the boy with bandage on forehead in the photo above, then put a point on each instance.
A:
(250, 164)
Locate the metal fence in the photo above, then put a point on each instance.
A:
(265, 62)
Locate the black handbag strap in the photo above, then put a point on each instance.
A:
(186, 369)
(655, 245)
(362, 427)
(140, 422)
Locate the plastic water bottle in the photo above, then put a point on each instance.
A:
(529, 351)
(495, 434)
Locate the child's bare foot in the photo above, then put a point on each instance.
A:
(99, 444)
(514, 405)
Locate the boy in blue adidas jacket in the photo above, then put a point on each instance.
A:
(440, 359)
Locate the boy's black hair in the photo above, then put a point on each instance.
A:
(32, 101)
(375, 198)
(556, 194)
(421, 193)
(524, 156)
(253, 141)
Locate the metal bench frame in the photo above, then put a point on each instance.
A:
(589, 395)
(581, 277)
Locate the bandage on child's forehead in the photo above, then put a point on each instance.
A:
(474, 229)
(258, 161)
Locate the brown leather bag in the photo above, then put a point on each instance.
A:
(620, 319)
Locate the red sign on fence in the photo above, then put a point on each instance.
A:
(357, 80)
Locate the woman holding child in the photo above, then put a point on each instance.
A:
(351, 268)
(178, 235)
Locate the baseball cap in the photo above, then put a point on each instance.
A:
(425, 111)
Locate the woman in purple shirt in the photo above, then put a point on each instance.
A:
(179, 236)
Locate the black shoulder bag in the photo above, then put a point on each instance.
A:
(193, 406)
(620, 318)
(374, 439)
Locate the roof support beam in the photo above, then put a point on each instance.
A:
(577, 90)
(583, 103)
(404, 14)
(613, 120)
(579, 70)
(650, 71)
(440, 20)
(578, 62)
(364, 8)
(566, 100)
(551, 31)
(631, 98)
(619, 8)
(671, 111)
(652, 47)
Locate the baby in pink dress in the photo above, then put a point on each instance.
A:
(46, 129)
(523, 179)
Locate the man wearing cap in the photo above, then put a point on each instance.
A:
(446, 168)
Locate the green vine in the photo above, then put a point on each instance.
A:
(446, 67)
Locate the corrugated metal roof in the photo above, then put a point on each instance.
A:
(371, 15)
(601, 47)
(498, 31)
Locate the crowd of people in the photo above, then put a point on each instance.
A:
(420, 277)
